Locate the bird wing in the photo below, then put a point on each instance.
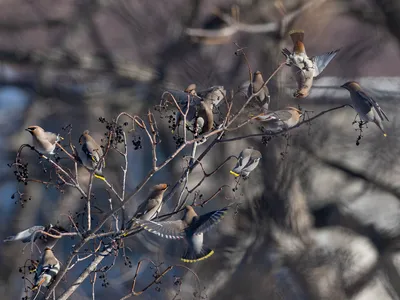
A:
(165, 229)
(374, 104)
(207, 221)
(282, 115)
(145, 206)
(93, 152)
(51, 137)
(242, 161)
(321, 61)
(25, 235)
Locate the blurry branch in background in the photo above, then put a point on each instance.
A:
(233, 26)
(350, 171)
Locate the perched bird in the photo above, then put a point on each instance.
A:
(91, 154)
(191, 227)
(47, 269)
(248, 160)
(257, 84)
(280, 119)
(367, 108)
(26, 235)
(305, 68)
(151, 207)
(43, 141)
(201, 115)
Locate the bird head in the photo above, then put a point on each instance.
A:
(191, 89)
(34, 130)
(83, 136)
(351, 86)
(258, 76)
(160, 187)
(298, 111)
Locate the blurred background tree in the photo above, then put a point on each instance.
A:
(319, 219)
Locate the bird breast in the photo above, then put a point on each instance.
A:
(196, 241)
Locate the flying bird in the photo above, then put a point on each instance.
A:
(257, 84)
(191, 228)
(366, 107)
(305, 68)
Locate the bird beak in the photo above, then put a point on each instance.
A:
(343, 86)
(80, 139)
(27, 129)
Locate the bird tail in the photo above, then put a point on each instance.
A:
(381, 128)
(191, 256)
(297, 35)
(39, 284)
(99, 175)
(234, 173)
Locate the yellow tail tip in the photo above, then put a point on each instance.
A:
(198, 259)
(61, 138)
(234, 173)
(35, 288)
(99, 177)
(385, 135)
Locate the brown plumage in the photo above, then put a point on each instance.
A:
(367, 108)
(44, 142)
(91, 154)
(263, 95)
(305, 68)
(281, 119)
(47, 269)
(151, 207)
(297, 37)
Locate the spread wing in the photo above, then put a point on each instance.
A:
(25, 235)
(374, 104)
(321, 61)
(205, 222)
(165, 229)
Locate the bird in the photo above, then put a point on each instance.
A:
(47, 269)
(43, 141)
(26, 235)
(200, 114)
(91, 154)
(191, 228)
(257, 84)
(191, 89)
(248, 160)
(280, 119)
(366, 107)
(38, 234)
(305, 68)
(214, 95)
(151, 207)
